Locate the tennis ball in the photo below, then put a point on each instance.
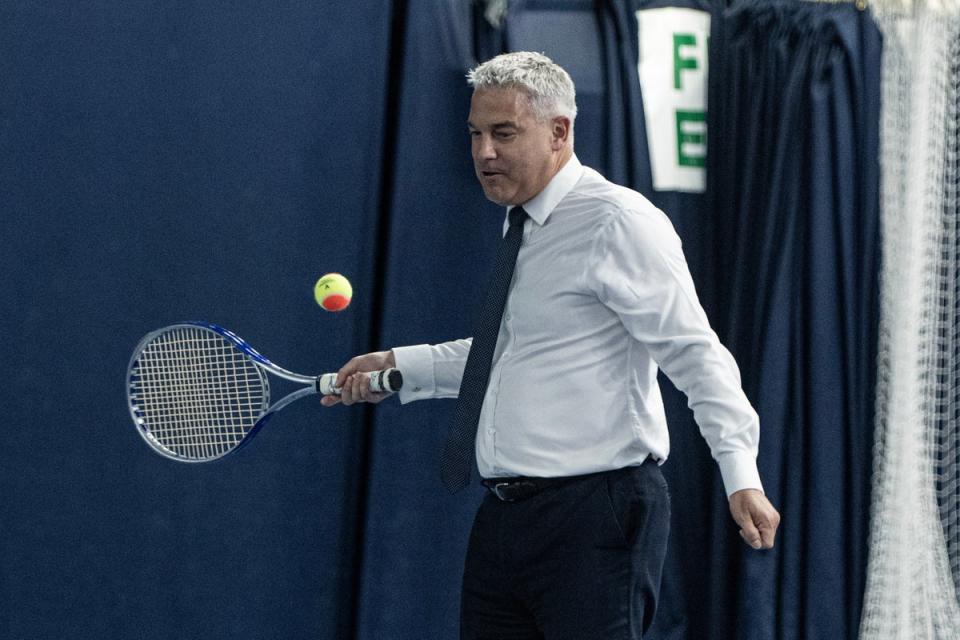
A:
(333, 292)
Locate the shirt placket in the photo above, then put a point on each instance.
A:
(496, 414)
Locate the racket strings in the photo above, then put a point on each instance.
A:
(195, 394)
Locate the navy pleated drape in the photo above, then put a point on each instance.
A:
(793, 179)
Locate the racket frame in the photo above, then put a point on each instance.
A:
(263, 365)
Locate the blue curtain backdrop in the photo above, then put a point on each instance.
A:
(793, 177)
(162, 161)
(175, 161)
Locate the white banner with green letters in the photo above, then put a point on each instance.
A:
(673, 78)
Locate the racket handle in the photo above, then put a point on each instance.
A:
(384, 381)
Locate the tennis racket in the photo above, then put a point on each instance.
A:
(198, 392)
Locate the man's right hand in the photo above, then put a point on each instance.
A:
(354, 382)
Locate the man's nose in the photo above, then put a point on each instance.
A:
(485, 148)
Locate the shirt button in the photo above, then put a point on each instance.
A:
(417, 389)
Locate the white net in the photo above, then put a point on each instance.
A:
(914, 565)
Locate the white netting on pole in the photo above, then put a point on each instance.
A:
(913, 576)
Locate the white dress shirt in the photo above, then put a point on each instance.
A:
(600, 299)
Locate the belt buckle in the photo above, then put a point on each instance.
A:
(497, 490)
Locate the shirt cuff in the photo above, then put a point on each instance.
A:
(739, 471)
(416, 365)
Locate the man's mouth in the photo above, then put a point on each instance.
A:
(489, 174)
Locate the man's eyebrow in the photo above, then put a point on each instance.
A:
(497, 125)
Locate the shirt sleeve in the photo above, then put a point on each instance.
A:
(431, 371)
(637, 269)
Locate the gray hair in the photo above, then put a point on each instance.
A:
(549, 87)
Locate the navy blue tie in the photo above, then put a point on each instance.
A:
(459, 452)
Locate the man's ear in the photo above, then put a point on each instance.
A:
(561, 129)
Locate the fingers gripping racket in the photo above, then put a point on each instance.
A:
(197, 391)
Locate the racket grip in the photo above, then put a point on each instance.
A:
(384, 381)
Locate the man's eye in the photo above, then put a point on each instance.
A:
(505, 135)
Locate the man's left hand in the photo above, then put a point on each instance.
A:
(757, 518)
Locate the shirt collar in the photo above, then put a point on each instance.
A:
(542, 205)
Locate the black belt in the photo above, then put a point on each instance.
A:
(519, 488)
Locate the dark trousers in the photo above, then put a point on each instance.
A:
(577, 561)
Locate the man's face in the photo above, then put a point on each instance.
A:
(514, 155)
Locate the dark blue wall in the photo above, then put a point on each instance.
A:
(162, 161)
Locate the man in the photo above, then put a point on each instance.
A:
(570, 541)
